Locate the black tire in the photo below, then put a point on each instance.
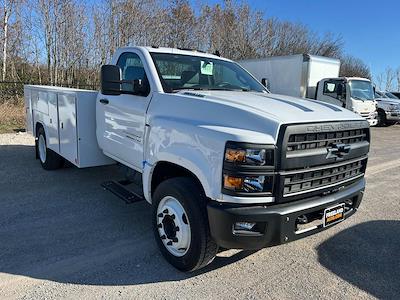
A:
(381, 118)
(51, 160)
(390, 123)
(202, 249)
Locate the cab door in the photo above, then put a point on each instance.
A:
(121, 118)
(328, 92)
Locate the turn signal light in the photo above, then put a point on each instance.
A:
(233, 183)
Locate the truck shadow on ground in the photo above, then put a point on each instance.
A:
(62, 226)
(366, 255)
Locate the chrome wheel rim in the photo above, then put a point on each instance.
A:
(42, 148)
(173, 226)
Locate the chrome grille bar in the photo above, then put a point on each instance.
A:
(308, 180)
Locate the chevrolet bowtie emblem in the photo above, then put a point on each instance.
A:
(338, 151)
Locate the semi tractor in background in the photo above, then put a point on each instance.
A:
(315, 77)
(223, 162)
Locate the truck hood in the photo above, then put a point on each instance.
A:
(387, 101)
(283, 109)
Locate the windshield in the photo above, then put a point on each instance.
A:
(391, 96)
(361, 90)
(179, 72)
(379, 95)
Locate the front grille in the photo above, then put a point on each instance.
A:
(308, 180)
(324, 139)
(368, 116)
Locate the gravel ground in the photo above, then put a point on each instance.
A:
(62, 236)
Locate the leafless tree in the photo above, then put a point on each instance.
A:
(66, 41)
(398, 79)
(354, 67)
(388, 80)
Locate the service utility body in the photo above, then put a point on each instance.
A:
(223, 162)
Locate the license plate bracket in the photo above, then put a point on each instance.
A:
(333, 214)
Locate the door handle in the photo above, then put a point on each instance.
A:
(104, 101)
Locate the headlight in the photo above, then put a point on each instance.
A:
(250, 155)
(394, 107)
(248, 168)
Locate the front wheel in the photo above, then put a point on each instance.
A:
(381, 118)
(180, 224)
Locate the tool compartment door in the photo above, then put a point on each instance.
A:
(67, 126)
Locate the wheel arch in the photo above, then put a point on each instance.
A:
(164, 170)
(38, 125)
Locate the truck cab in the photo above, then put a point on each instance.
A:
(353, 93)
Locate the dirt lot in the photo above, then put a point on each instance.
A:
(62, 236)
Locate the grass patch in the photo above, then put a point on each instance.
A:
(12, 117)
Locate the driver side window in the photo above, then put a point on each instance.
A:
(132, 70)
(331, 88)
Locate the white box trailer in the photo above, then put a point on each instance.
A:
(69, 119)
(293, 75)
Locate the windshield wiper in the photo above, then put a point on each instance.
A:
(212, 89)
(359, 98)
(189, 88)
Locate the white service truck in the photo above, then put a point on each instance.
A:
(315, 77)
(224, 163)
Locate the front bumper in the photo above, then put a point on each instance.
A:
(372, 122)
(393, 115)
(279, 222)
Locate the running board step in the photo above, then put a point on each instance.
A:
(119, 190)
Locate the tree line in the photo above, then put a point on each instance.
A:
(66, 41)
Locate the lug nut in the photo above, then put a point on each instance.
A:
(169, 243)
(176, 229)
(163, 237)
(159, 225)
(160, 215)
(175, 240)
(165, 211)
(173, 217)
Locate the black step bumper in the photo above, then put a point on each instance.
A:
(276, 224)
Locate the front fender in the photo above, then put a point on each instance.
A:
(196, 147)
(191, 147)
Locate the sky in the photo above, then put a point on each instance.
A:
(370, 29)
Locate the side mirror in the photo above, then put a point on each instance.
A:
(341, 90)
(265, 82)
(110, 78)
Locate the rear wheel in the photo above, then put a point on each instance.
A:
(48, 158)
(180, 224)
